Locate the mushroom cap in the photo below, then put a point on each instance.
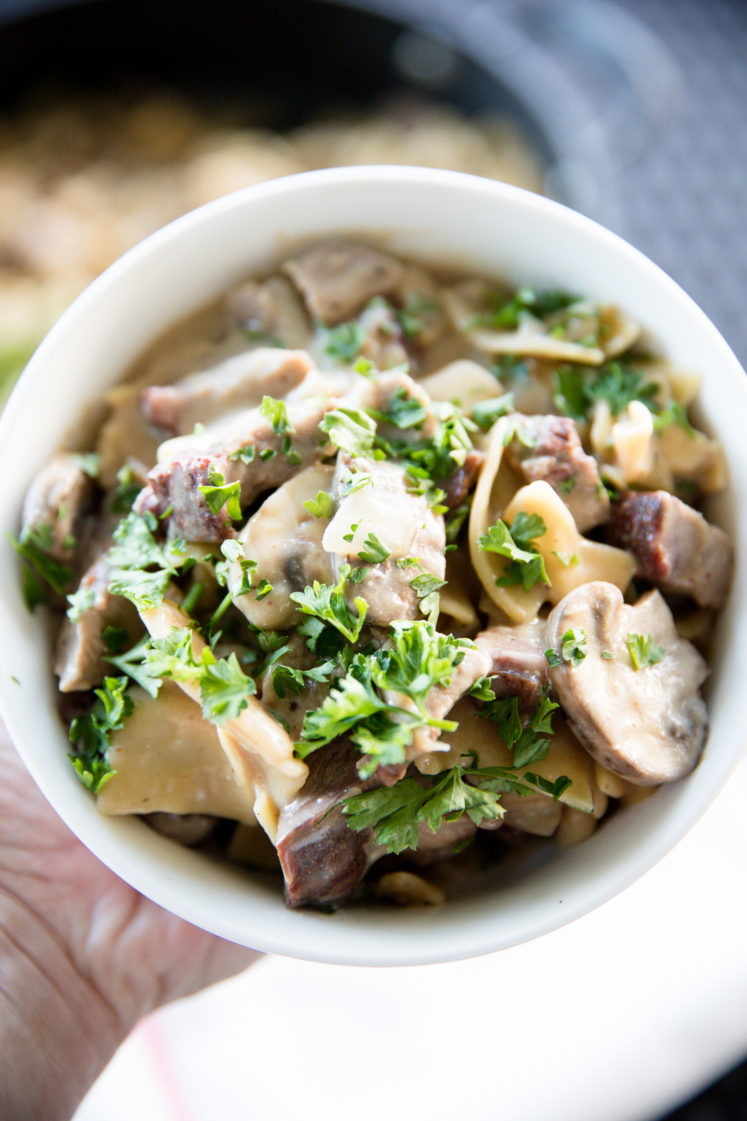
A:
(647, 725)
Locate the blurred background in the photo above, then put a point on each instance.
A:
(116, 116)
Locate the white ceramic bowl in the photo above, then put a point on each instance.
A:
(439, 217)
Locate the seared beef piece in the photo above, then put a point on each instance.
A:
(336, 279)
(402, 521)
(558, 458)
(174, 485)
(79, 659)
(462, 480)
(236, 383)
(518, 666)
(322, 858)
(673, 545)
(56, 501)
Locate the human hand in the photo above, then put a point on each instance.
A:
(83, 956)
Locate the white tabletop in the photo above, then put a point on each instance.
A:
(621, 1015)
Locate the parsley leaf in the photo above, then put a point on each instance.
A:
(125, 492)
(506, 314)
(617, 384)
(373, 551)
(327, 602)
(80, 602)
(245, 454)
(321, 506)
(410, 317)
(135, 552)
(426, 588)
(219, 494)
(529, 742)
(275, 412)
(344, 342)
(574, 646)
(644, 651)
(675, 413)
(224, 687)
(350, 429)
(91, 734)
(40, 568)
(527, 565)
(402, 410)
(381, 700)
(394, 813)
(486, 413)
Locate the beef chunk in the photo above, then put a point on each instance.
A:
(173, 486)
(336, 279)
(673, 545)
(518, 666)
(239, 382)
(557, 457)
(323, 860)
(462, 480)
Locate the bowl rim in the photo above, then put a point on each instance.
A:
(118, 847)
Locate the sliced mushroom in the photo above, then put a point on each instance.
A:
(647, 724)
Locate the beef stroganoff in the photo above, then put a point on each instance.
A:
(368, 563)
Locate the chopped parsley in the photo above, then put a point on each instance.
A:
(245, 454)
(218, 494)
(224, 687)
(327, 602)
(321, 506)
(80, 602)
(373, 551)
(527, 565)
(506, 314)
(394, 813)
(403, 411)
(426, 588)
(89, 463)
(41, 570)
(574, 646)
(275, 412)
(381, 700)
(644, 651)
(675, 413)
(135, 553)
(345, 341)
(125, 492)
(351, 430)
(528, 742)
(486, 413)
(91, 734)
(410, 317)
(576, 389)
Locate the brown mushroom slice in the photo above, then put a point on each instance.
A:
(168, 759)
(647, 725)
(284, 539)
